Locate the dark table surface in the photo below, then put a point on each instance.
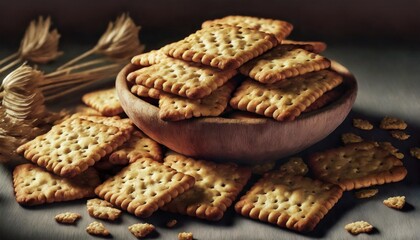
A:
(389, 85)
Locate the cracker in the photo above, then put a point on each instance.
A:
(357, 165)
(67, 217)
(326, 98)
(171, 223)
(311, 46)
(185, 236)
(260, 169)
(366, 193)
(415, 152)
(187, 79)
(33, 185)
(362, 124)
(105, 101)
(141, 230)
(72, 146)
(101, 209)
(400, 135)
(292, 201)
(284, 100)
(295, 166)
(347, 138)
(391, 149)
(97, 229)
(392, 123)
(144, 186)
(358, 227)
(149, 58)
(223, 47)
(397, 202)
(283, 61)
(139, 145)
(280, 29)
(143, 91)
(216, 186)
(174, 108)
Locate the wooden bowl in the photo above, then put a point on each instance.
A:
(245, 141)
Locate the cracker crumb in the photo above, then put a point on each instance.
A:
(67, 217)
(171, 223)
(359, 227)
(400, 135)
(362, 124)
(397, 202)
(392, 123)
(366, 193)
(185, 236)
(415, 152)
(97, 229)
(141, 230)
(347, 138)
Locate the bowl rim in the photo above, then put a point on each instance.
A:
(348, 78)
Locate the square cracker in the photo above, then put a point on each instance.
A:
(33, 185)
(223, 47)
(139, 145)
(143, 91)
(216, 186)
(187, 79)
(311, 46)
(286, 99)
(72, 146)
(357, 165)
(144, 186)
(280, 29)
(292, 201)
(105, 101)
(283, 61)
(174, 108)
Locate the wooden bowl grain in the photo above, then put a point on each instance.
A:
(244, 141)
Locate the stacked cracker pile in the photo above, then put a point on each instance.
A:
(69, 157)
(195, 77)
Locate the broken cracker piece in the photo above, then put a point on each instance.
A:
(362, 124)
(359, 227)
(347, 138)
(392, 123)
(101, 209)
(185, 236)
(400, 135)
(67, 217)
(397, 202)
(141, 230)
(171, 223)
(97, 229)
(415, 152)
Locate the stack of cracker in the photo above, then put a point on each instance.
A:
(194, 77)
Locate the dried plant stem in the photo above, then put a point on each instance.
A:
(78, 58)
(11, 64)
(77, 67)
(9, 58)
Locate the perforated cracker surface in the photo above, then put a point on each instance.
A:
(286, 99)
(281, 29)
(144, 186)
(357, 165)
(187, 79)
(290, 201)
(33, 185)
(283, 61)
(216, 186)
(72, 146)
(105, 101)
(223, 47)
(174, 108)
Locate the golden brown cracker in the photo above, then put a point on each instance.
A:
(311, 46)
(187, 79)
(284, 100)
(280, 29)
(33, 185)
(292, 201)
(101, 209)
(67, 217)
(72, 146)
(139, 145)
(397, 202)
(362, 124)
(144, 186)
(143, 91)
(185, 236)
(105, 101)
(175, 108)
(149, 58)
(283, 61)
(392, 123)
(358, 227)
(348, 138)
(141, 230)
(366, 193)
(97, 229)
(400, 135)
(223, 47)
(216, 186)
(123, 124)
(357, 165)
